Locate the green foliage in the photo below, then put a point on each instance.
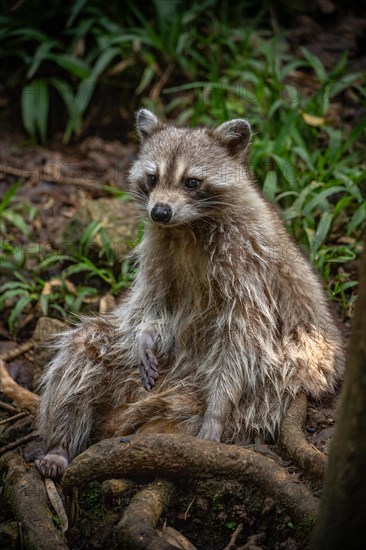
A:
(14, 215)
(79, 280)
(231, 525)
(200, 64)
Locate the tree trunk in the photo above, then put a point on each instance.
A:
(342, 517)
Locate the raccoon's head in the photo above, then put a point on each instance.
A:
(182, 175)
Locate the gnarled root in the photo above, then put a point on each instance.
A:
(24, 398)
(293, 441)
(28, 498)
(171, 455)
(136, 530)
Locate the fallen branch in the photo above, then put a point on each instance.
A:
(136, 530)
(172, 455)
(28, 499)
(24, 398)
(294, 443)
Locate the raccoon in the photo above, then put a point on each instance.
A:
(225, 323)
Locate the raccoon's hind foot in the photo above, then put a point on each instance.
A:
(54, 463)
(149, 363)
(211, 429)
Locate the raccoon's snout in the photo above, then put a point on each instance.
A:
(161, 213)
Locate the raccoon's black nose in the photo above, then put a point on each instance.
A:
(161, 213)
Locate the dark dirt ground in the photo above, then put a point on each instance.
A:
(205, 514)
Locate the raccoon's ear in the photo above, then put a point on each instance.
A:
(235, 135)
(146, 123)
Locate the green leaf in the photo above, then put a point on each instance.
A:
(344, 286)
(270, 185)
(43, 302)
(12, 294)
(322, 229)
(35, 103)
(315, 64)
(320, 198)
(42, 53)
(287, 170)
(77, 7)
(358, 218)
(17, 311)
(73, 65)
(51, 259)
(8, 195)
(146, 78)
(13, 284)
(90, 232)
(17, 220)
(85, 91)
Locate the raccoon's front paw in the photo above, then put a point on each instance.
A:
(149, 363)
(211, 429)
(149, 369)
(52, 465)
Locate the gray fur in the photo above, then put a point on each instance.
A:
(238, 319)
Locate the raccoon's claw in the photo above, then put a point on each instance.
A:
(149, 363)
(52, 465)
(149, 369)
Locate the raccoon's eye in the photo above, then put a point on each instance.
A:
(152, 180)
(191, 183)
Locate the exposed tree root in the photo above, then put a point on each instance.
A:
(24, 398)
(136, 530)
(171, 455)
(293, 441)
(28, 498)
(114, 488)
(19, 350)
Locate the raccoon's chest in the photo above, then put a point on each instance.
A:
(188, 277)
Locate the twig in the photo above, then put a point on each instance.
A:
(8, 408)
(57, 503)
(53, 178)
(19, 350)
(18, 442)
(234, 537)
(188, 508)
(15, 417)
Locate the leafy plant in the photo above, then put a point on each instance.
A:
(79, 281)
(14, 214)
